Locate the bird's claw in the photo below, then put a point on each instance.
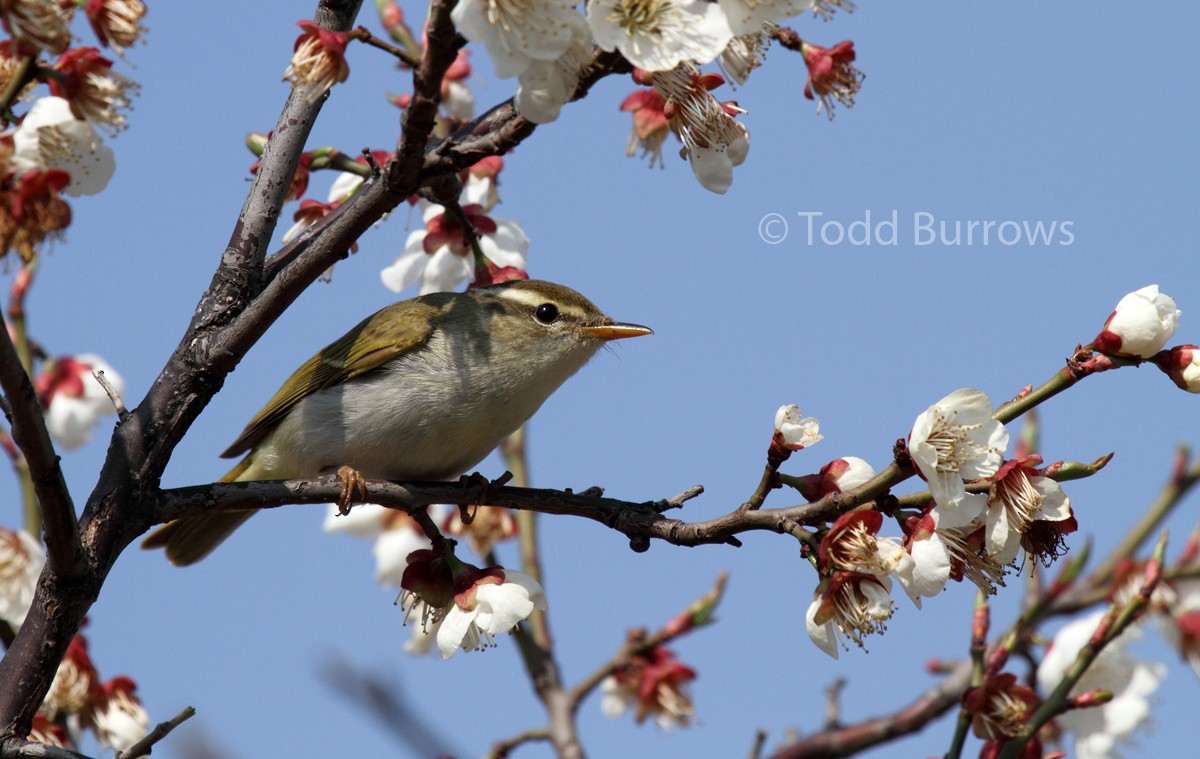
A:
(352, 481)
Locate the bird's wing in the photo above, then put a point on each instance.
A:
(389, 333)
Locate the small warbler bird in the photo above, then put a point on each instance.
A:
(421, 390)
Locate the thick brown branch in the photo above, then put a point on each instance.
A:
(119, 509)
(639, 520)
(30, 750)
(501, 129)
(64, 552)
(442, 46)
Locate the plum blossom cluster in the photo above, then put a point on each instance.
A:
(396, 534)
(653, 683)
(55, 149)
(550, 45)
(462, 606)
(462, 242)
(456, 243)
(78, 699)
(1099, 729)
(960, 534)
(982, 510)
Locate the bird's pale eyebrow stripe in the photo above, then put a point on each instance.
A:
(534, 299)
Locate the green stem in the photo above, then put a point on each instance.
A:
(514, 452)
(1115, 623)
(23, 75)
(979, 631)
(1170, 496)
(20, 334)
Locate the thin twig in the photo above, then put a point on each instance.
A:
(363, 34)
(25, 73)
(760, 740)
(833, 705)
(160, 731)
(112, 393)
(502, 749)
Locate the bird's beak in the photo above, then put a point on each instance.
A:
(616, 331)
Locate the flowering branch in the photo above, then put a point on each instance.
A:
(501, 129)
(1115, 622)
(1181, 482)
(536, 643)
(980, 623)
(698, 614)
(1096, 587)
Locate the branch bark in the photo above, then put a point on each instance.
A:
(121, 506)
(845, 741)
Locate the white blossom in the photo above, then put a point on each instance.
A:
(21, 561)
(794, 430)
(517, 32)
(748, 16)
(1098, 729)
(545, 86)
(496, 609)
(77, 403)
(957, 440)
(50, 137)
(658, 35)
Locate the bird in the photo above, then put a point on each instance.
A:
(422, 390)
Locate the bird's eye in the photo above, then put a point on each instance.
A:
(547, 313)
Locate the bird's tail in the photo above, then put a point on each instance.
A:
(190, 540)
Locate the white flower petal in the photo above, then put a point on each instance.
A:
(661, 36)
(364, 520)
(344, 186)
(50, 137)
(824, 636)
(444, 270)
(391, 549)
(456, 631)
(406, 269)
(748, 16)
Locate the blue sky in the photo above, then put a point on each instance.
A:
(970, 112)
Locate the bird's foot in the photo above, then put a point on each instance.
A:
(352, 481)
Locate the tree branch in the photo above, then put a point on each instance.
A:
(160, 731)
(848, 740)
(121, 505)
(64, 552)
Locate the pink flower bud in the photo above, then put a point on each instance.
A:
(1182, 365)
